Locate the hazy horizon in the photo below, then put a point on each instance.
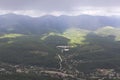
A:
(39, 8)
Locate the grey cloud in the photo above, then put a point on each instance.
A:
(55, 5)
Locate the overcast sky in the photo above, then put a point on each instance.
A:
(60, 7)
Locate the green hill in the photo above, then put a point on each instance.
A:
(109, 31)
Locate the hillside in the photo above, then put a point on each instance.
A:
(77, 44)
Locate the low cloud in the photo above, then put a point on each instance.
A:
(60, 7)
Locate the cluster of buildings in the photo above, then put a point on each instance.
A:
(101, 74)
(9, 69)
(98, 74)
(22, 69)
(106, 74)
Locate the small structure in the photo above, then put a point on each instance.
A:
(105, 71)
(64, 48)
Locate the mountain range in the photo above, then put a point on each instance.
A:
(12, 23)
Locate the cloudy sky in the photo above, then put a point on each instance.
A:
(60, 7)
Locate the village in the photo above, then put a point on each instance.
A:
(98, 74)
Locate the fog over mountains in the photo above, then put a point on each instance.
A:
(25, 24)
(59, 39)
